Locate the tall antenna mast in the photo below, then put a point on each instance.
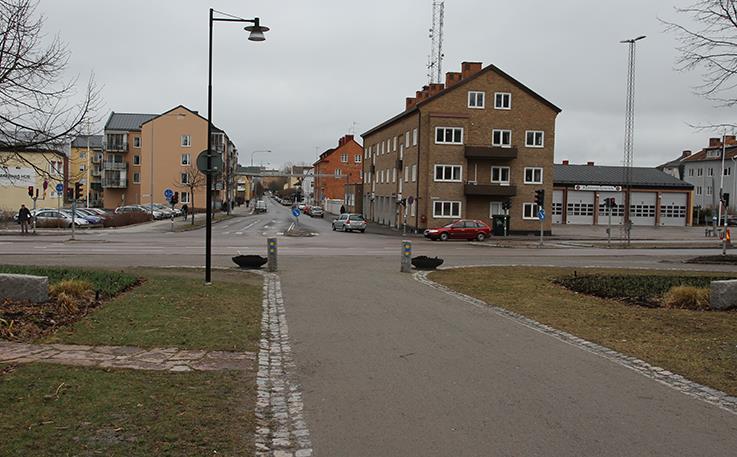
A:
(435, 58)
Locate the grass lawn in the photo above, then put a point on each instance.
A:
(108, 282)
(173, 308)
(699, 345)
(51, 410)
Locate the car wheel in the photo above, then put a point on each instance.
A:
(480, 237)
(443, 237)
(363, 231)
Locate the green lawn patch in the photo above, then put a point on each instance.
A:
(53, 410)
(173, 308)
(715, 260)
(108, 282)
(699, 345)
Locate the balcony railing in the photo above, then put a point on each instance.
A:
(116, 147)
(114, 166)
(114, 182)
(490, 153)
(489, 190)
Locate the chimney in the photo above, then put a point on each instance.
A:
(714, 142)
(591, 164)
(730, 140)
(452, 78)
(409, 102)
(435, 88)
(565, 162)
(344, 140)
(470, 69)
(685, 154)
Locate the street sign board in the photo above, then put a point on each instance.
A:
(168, 193)
(598, 188)
(216, 161)
(59, 188)
(541, 214)
(295, 212)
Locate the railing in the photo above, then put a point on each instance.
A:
(116, 183)
(117, 147)
(114, 166)
(493, 190)
(490, 152)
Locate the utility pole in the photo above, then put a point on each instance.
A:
(629, 127)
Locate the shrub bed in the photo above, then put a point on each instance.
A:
(646, 290)
(121, 220)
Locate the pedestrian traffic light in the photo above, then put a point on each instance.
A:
(30, 191)
(78, 190)
(540, 198)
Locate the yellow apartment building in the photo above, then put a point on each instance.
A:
(85, 166)
(20, 170)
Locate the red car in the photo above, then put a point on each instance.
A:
(464, 229)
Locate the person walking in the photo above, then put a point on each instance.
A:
(185, 210)
(24, 217)
(342, 209)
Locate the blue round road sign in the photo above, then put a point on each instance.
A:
(296, 212)
(168, 193)
(541, 214)
(59, 188)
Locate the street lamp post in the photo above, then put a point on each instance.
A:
(254, 152)
(256, 34)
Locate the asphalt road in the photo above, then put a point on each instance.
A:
(391, 367)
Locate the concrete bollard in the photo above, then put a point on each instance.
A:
(271, 256)
(406, 256)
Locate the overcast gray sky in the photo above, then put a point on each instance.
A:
(328, 64)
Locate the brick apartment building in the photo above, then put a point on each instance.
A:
(344, 164)
(145, 154)
(460, 150)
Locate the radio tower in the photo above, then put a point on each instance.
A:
(435, 59)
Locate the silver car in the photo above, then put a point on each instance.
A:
(350, 222)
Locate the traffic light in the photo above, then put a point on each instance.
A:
(78, 190)
(725, 198)
(30, 191)
(610, 202)
(174, 198)
(507, 204)
(540, 198)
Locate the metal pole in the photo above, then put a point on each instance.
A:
(609, 230)
(87, 178)
(208, 175)
(74, 213)
(33, 219)
(541, 232)
(721, 181)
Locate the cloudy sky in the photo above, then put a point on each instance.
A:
(329, 64)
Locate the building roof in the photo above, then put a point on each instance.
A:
(81, 141)
(196, 113)
(731, 151)
(614, 176)
(462, 83)
(127, 122)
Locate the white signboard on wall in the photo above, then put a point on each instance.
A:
(583, 187)
(17, 177)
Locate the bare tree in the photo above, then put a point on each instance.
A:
(195, 180)
(710, 45)
(38, 109)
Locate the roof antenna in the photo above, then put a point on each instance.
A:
(435, 58)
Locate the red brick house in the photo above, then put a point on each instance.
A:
(344, 164)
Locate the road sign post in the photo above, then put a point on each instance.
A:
(406, 256)
(541, 216)
(271, 254)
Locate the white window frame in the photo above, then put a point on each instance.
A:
(727, 171)
(441, 215)
(501, 133)
(185, 141)
(535, 137)
(414, 172)
(136, 175)
(406, 139)
(445, 135)
(395, 144)
(381, 176)
(394, 175)
(532, 170)
(338, 173)
(136, 159)
(445, 168)
(504, 95)
(533, 216)
(406, 173)
(500, 181)
(500, 206)
(699, 172)
(357, 158)
(137, 142)
(709, 191)
(414, 136)
(473, 99)
(185, 159)
(184, 197)
(344, 158)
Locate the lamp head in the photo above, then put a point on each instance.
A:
(256, 31)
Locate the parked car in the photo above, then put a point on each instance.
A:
(260, 206)
(349, 222)
(167, 210)
(131, 209)
(464, 229)
(89, 216)
(316, 211)
(52, 216)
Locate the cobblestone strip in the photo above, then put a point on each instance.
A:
(281, 428)
(663, 376)
(163, 359)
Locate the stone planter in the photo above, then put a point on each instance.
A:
(426, 263)
(250, 262)
(723, 295)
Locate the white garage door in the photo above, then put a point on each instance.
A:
(673, 209)
(617, 211)
(642, 208)
(580, 208)
(557, 216)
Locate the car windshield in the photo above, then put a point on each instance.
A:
(356, 217)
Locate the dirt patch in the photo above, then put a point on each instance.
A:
(714, 260)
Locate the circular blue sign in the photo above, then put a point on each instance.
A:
(296, 212)
(168, 193)
(541, 214)
(59, 188)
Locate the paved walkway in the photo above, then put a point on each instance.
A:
(165, 359)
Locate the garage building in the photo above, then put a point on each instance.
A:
(655, 198)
